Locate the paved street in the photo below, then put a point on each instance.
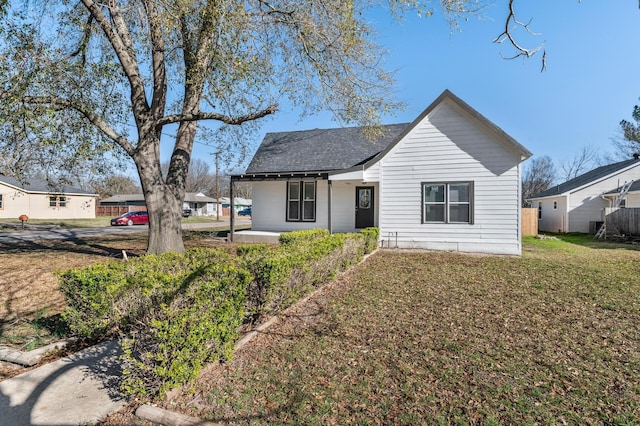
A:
(70, 234)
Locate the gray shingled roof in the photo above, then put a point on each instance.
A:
(586, 178)
(319, 150)
(123, 198)
(37, 185)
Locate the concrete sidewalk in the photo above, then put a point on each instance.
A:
(76, 390)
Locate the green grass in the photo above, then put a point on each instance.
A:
(552, 337)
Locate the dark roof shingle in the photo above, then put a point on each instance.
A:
(585, 178)
(319, 150)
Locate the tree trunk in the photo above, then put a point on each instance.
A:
(164, 203)
(165, 221)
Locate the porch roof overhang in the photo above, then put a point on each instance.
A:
(271, 176)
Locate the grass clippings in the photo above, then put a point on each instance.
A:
(552, 337)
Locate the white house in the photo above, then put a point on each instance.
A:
(577, 205)
(39, 199)
(450, 180)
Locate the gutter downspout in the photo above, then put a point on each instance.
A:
(567, 213)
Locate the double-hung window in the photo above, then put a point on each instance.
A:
(447, 202)
(55, 201)
(301, 201)
(1, 202)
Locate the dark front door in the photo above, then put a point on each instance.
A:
(364, 206)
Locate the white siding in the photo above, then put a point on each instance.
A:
(553, 220)
(633, 200)
(269, 207)
(449, 146)
(586, 205)
(372, 174)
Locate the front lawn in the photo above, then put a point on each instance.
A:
(552, 337)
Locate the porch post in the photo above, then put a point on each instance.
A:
(329, 197)
(231, 211)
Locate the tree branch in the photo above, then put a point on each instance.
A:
(95, 119)
(159, 98)
(82, 47)
(179, 118)
(122, 48)
(507, 35)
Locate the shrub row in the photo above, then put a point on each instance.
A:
(177, 312)
(174, 312)
(303, 261)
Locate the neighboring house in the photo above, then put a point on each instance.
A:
(632, 197)
(238, 203)
(39, 199)
(128, 200)
(200, 204)
(577, 204)
(450, 180)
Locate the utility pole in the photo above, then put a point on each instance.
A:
(217, 154)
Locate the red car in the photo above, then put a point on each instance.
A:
(131, 218)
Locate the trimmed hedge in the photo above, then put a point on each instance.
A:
(199, 326)
(304, 261)
(177, 312)
(372, 239)
(174, 311)
(297, 237)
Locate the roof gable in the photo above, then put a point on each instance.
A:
(448, 96)
(587, 178)
(42, 186)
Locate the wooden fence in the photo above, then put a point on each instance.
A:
(117, 210)
(529, 222)
(622, 220)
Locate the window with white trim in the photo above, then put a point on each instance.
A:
(301, 201)
(1, 202)
(539, 210)
(55, 201)
(447, 202)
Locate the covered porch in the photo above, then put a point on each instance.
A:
(284, 202)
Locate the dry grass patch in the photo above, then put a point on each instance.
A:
(441, 338)
(30, 301)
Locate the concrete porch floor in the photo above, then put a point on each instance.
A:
(251, 236)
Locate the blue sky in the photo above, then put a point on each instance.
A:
(590, 84)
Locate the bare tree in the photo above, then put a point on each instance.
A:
(539, 174)
(200, 178)
(115, 184)
(586, 159)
